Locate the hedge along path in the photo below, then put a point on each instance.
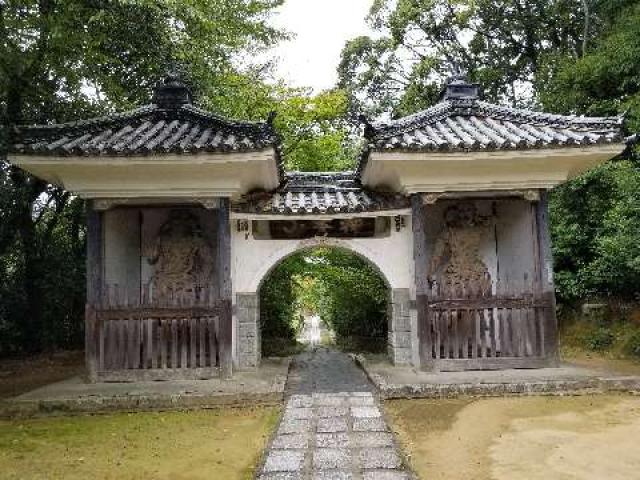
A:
(332, 427)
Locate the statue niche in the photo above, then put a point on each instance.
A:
(456, 258)
(182, 257)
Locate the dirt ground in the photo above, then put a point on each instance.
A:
(219, 444)
(560, 438)
(20, 375)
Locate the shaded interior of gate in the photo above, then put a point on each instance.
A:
(159, 309)
(484, 298)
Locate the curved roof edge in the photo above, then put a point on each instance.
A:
(172, 124)
(462, 122)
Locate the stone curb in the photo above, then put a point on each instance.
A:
(94, 404)
(568, 386)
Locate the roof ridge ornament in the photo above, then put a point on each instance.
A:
(172, 92)
(459, 88)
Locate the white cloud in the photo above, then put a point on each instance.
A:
(321, 28)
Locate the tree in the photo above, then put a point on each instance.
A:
(66, 59)
(502, 44)
(316, 133)
(604, 81)
(596, 218)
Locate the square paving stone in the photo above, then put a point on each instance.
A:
(361, 401)
(379, 458)
(281, 476)
(369, 425)
(325, 412)
(332, 440)
(365, 412)
(300, 401)
(298, 413)
(332, 475)
(284, 461)
(331, 425)
(386, 475)
(328, 400)
(331, 459)
(291, 440)
(294, 426)
(371, 439)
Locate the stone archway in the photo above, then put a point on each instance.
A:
(402, 338)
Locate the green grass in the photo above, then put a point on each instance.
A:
(224, 444)
(618, 339)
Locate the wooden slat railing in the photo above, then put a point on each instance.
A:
(157, 338)
(474, 329)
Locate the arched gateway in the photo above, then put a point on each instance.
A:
(188, 211)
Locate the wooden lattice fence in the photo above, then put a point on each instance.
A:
(467, 328)
(157, 338)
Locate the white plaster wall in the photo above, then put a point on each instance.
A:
(252, 259)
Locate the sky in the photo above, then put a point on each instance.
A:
(311, 57)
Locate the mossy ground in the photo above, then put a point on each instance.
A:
(219, 444)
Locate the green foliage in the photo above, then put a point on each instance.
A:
(316, 135)
(611, 330)
(604, 81)
(346, 291)
(599, 340)
(595, 222)
(632, 345)
(420, 42)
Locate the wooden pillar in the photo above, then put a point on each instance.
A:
(545, 267)
(224, 281)
(418, 223)
(94, 287)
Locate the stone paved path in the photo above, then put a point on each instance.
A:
(332, 427)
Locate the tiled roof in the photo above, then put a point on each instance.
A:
(171, 124)
(463, 122)
(318, 193)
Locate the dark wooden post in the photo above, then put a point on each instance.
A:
(224, 272)
(420, 267)
(94, 288)
(546, 277)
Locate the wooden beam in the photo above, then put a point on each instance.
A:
(94, 267)
(224, 282)
(546, 273)
(420, 267)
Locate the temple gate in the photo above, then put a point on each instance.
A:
(187, 212)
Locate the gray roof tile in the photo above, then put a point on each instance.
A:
(319, 193)
(169, 125)
(462, 122)
(469, 124)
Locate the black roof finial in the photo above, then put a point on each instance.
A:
(369, 129)
(172, 92)
(458, 87)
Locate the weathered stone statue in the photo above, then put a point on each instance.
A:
(456, 258)
(182, 256)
